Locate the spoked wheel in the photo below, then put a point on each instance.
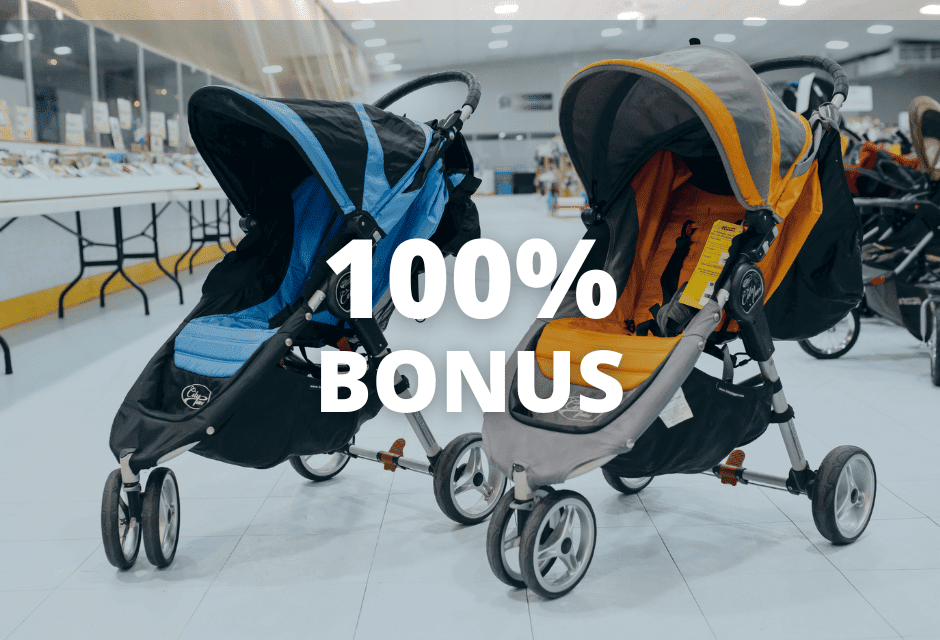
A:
(571, 542)
(319, 467)
(627, 486)
(844, 495)
(466, 485)
(161, 517)
(837, 341)
(933, 344)
(504, 539)
(120, 532)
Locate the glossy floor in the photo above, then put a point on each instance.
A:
(265, 554)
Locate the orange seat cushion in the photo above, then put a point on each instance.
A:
(580, 336)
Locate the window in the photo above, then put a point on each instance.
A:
(193, 78)
(12, 82)
(162, 101)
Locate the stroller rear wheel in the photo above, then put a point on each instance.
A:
(837, 341)
(319, 467)
(626, 486)
(120, 531)
(161, 517)
(844, 495)
(504, 539)
(467, 487)
(571, 541)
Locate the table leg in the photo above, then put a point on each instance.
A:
(156, 252)
(189, 213)
(81, 263)
(7, 362)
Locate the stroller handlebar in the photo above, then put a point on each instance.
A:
(473, 89)
(831, 67)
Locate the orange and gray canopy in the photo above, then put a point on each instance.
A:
(695, 100)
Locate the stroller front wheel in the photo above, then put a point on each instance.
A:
(319, 467)
(570, 542)
(626, 486)
(161, 517)
(837, 341)
(844, 494)
(120, 530)
(467, 487)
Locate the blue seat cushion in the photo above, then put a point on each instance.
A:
(217, 346)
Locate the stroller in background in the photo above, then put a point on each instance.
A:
(898, 200)
(307, 177)
(675, 146)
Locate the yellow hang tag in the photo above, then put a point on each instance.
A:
(701, 286)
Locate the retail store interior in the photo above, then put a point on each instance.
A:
(115, 207)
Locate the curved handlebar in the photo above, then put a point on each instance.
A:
(473, 88)
(831, 67)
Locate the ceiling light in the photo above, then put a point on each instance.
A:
(501, 28)
(53, 61)
(880, 29)
(136, 103)
(11, 37)
(931, 10)
(498, 44)
(610, 33)
(392, 67)
(272, 68)
(630, 15)
(506, 8)
(502, 135)
(519, 137)
(724, 37)
(62, 51)
(755, 22)
(792, 3)
(837, 44)
(359, 25)
(383, 58)
(375, 42)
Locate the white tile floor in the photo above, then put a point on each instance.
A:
(368, 555)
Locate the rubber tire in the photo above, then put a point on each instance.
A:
(110, 516)
(298, 465)
(527, 544)
(935, 349)
(443, 471)
(151, 518)
(614, 481)
(499, 520)
(824, 492)
(805, 346)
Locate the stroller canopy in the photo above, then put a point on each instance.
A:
(696, 101)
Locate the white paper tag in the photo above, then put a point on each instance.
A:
(676, 411)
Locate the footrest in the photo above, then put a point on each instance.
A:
(397, 448)
(727, 471)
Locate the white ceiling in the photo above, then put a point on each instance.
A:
(425, 34)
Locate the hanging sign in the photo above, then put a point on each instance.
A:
(101, 118)
(74, 129)
(860, 99)
(124, 113)
(526, 102)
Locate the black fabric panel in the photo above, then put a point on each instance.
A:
(460, 221)
(339, 131)
(725, 417)
(402, 142)
(824, 282)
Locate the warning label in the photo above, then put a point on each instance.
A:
(701, 287)
(676, 411)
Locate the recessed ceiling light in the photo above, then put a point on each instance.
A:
(837, 44)
(359, 25)
(498, 44)
(755, 22)
(392, 67)
(62, 51)
(930, 10)
(520, 137)
(375, 42)
(502, 135)
(506, 8)
(630, 15)
(501, 28)
(724, 37)
(388, 56)
(610, 33)
(880, 29)
(272, 68)
(11, 37)
(792, 3)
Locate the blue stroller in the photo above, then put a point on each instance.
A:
(307, 177)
